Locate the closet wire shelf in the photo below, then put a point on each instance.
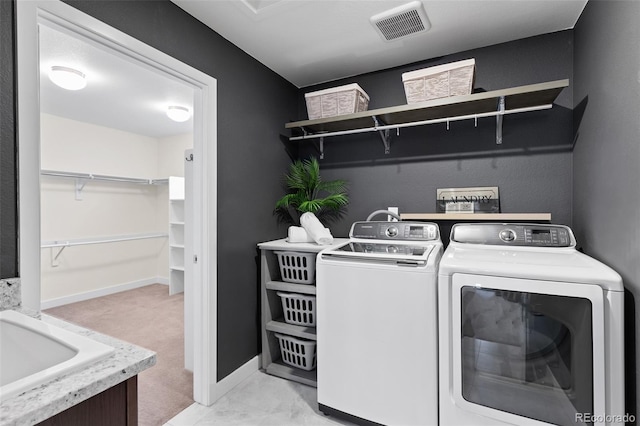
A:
(83, 178)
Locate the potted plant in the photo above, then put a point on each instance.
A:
(307, 192)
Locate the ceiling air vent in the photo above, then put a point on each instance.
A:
(401, 21)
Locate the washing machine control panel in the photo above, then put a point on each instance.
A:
(405, 231)
(514, 234)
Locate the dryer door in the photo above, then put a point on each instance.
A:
(528, 348)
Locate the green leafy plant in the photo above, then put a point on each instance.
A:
(307, 192)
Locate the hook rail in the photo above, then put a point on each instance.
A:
(378, 128)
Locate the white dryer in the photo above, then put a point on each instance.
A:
(377, 325)
(530, 329)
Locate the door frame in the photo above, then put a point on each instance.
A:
(31, 14)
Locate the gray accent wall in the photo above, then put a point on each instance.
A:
(8, 192)
(532, 167)
(606, 157)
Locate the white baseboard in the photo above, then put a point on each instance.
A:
(79, 297)
(235, 378)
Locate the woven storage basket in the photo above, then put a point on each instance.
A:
(441, 81)
(298, 309)
(297, 267)
(297, 352)
(336, 101)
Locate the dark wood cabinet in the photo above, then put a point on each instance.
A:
(116, 406)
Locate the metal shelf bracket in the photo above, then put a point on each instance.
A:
(385, 135)
(54, 259)
(80, 183)
(499, 119)
(320, 147)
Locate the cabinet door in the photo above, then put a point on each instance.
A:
(115, 406)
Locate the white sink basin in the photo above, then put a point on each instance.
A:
(33, 352)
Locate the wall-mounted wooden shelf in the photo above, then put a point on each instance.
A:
(496, 103)
(469, 217)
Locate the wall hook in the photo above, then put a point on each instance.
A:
(189, 158)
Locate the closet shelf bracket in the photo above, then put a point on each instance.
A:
(54, 259)
(80, 183)
(385, 135)
(499, 119)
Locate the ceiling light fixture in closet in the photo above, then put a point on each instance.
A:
(68, 78)
(178, 113)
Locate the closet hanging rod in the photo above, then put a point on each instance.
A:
(92, 176)
(420, 123)
(101, 240)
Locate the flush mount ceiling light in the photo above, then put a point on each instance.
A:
(401, 21)
(68, 78)
(178, 113)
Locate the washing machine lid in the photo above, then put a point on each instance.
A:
(384, 253)
(541, 263)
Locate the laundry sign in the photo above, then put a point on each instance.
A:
(484, 199)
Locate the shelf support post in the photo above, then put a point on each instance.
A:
(499, 119)
(384, 135)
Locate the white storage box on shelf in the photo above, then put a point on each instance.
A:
(441, 81)
(340, 100)
(297, 352)
(297, 267)
(299, 309)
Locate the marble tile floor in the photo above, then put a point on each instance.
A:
(261, 400)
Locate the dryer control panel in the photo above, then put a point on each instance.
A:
(405, 231)
(513, 234)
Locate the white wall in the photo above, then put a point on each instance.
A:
(106, 208)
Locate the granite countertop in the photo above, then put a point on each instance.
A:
(50, 398)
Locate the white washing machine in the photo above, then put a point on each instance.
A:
(377, 324)
(531, 330)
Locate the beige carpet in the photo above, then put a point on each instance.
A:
(150, 318)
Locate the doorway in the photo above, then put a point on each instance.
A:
(112, 167)
(32, 16)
